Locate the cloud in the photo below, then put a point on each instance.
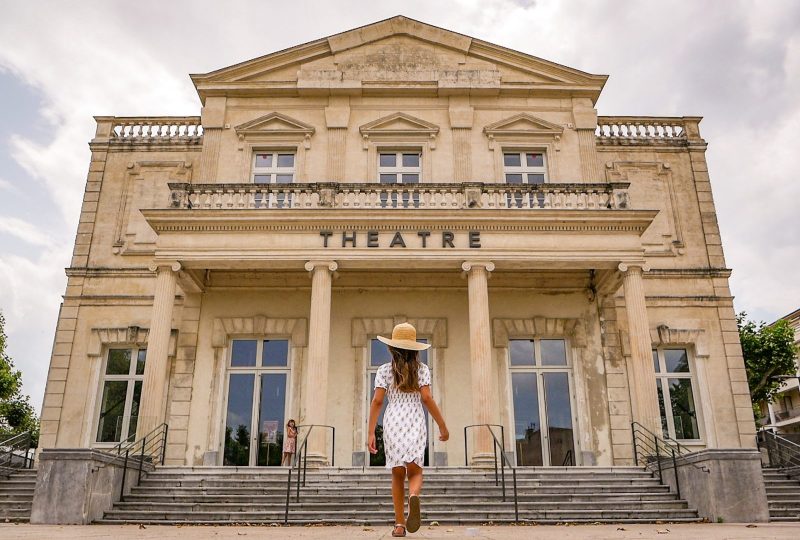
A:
(25, 231)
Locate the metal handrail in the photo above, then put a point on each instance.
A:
(10, 452)
(654, 449)
(504, 461)
(783, 453)
(301, 455)
(151, 448)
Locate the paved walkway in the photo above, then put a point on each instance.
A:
(566, 532)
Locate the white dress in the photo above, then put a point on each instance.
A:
(405, 434)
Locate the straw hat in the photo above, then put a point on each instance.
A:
(404, 336)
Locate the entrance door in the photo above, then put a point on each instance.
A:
(258, 376)
(541, 388)
(379, 355)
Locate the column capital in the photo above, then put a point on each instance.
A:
(625, 267)
(331, 265)
(468, 266)
(175, 266)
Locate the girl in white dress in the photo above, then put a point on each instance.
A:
(408, 383)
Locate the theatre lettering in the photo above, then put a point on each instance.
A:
(397, 239)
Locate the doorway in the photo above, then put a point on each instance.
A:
(543, 403)
(258, 379)
(379, 355)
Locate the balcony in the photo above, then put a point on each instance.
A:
(353, 196)
(648, 131)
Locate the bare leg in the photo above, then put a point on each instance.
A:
(399, 494)
(414, 478)
(283, 459)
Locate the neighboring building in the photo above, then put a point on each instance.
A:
(783, 414)
(232, 270)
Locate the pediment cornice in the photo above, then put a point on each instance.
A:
(399, 123)
(523, 124)
(274, 123)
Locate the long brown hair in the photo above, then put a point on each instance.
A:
(405, 368)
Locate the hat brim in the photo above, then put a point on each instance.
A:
(405, 344)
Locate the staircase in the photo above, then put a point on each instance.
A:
(783, 495)
(225, 495)
(16, 496)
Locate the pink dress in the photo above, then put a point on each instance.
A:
(290, 441)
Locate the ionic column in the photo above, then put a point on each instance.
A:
(156, 367)
(315, 393)
(480, 355)
(644, 396)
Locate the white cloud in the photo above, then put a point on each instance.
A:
(25, 231)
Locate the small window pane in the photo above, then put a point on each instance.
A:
(388, 160)
(535, 160)
(379, 353)
(536, 179)
(684, 415)
(275, 353)
(656, 366)
(410, 178)
(521, 352)
(134, 419)
(262, 178)
(677, 360)
(119, 362)
(423, 355)
(112, 407)
(140, 358)
(511, 160)
(513, 178)
(263, 160)
(285, 160)
(243, 353)
(410, 160)
(284, 178)
(554, 352)
(388, 179)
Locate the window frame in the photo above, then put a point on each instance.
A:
(664, 376)
(398, 169)
(273, 171)
(524, 169)
(131, 378)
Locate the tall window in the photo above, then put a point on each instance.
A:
(273, 167)
(524, 167)
(122, 394)
(399, 167)
(675, 387)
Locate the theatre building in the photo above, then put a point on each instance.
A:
(232, 270)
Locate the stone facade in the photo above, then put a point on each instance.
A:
(179, 251)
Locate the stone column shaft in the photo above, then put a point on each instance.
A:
(319, 330)
(156, 368)
(480, 355)
(644, 396)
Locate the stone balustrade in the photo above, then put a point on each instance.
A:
(157, 129)
(646, 130)
(589, 196)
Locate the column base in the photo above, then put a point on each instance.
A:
(315, 460)
(483, 460)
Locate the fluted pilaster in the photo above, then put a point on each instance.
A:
(156, 368)
(644, 396)
(462, 157)
(337, 142)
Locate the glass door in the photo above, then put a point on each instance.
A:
(258, 373)
(541, 391)
(379, 355)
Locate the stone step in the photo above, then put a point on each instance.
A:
(382, 470)
(388, 521)
(351, 477)
(429, 483)
(279, 498)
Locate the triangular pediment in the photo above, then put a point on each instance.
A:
(358, 59)
(523, 123)
(275, 123)
(399, 123)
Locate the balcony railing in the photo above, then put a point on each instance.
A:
(597, 196)
(785, 414)
(644, 130)
(156, 129)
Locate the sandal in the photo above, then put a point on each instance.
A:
(413, 521)
(402, 530)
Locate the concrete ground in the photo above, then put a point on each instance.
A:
(566, 532)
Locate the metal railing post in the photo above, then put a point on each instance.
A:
(675, 468)
(333, 445)
(466, 458)
(502, 474)
(633, 435)
(494, 449)
(141, 461)
(164, 444)
(516, 502)
(658, 459)
(124, 474)
(288, 492)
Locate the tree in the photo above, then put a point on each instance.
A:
(16, 413)
(769, 353)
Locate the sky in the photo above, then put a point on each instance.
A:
(734, 62)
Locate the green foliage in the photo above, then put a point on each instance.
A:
(16, 413)
(769, 353)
